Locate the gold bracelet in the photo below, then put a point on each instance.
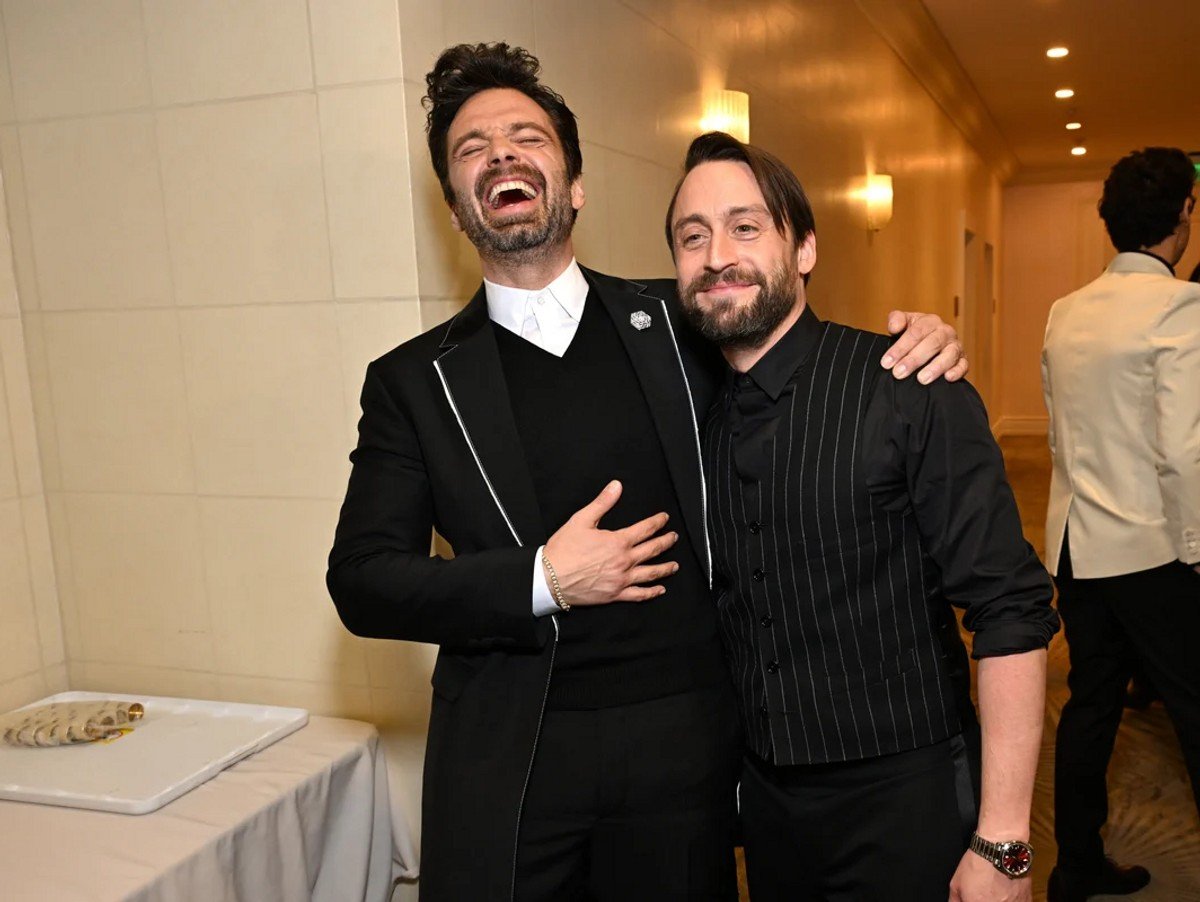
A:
(555, 588)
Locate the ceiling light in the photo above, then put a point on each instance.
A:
(1074, 126)
(1064, 93)
(1057, 53)
(1078, 150)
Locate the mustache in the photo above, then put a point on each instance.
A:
(486, 180)
(708, 280)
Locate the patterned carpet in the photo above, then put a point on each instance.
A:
(1152, 815)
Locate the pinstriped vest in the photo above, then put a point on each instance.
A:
(831, 613)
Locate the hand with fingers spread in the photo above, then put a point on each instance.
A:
(928, 345)
(597, 566)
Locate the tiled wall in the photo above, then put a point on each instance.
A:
(32, 658)
(217, 211)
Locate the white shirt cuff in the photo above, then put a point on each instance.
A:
(543, 598)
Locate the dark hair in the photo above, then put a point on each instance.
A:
(785, 197)
(1144, 195)
(1195, 276)
(462, 71)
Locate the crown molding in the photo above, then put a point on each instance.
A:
(914, 37)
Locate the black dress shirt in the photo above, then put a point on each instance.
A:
(928, 448)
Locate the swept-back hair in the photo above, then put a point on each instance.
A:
(462, 71)
(785, 197)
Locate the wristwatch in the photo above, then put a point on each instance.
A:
(1012, 858)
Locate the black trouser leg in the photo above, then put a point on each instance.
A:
(633, 803)
(1153, 618)
(1160, 612)
(1100, 662)
(848, 832)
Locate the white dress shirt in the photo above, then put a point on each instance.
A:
(548, 318)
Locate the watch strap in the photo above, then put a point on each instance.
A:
(1012, 858)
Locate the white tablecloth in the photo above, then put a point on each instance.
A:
(308, 818)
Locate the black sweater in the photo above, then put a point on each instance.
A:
(584, 421)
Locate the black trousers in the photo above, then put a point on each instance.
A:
(887, 829)
(1151, 618)
(634, 803)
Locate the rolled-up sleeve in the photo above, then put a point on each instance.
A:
(936, 453)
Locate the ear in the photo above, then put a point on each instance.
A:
(578, 197)
(454, 222)
(806, 254)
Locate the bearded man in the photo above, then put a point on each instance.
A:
(583, 739)
(848, 514)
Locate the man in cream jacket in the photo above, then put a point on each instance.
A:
(1121, 375)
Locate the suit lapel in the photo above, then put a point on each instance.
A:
(473, 379)
(644, 324)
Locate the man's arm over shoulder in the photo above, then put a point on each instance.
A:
(381, 577)
(1176, 352)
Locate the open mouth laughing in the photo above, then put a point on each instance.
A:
(511, 192)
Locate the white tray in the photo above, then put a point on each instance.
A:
(179, 744)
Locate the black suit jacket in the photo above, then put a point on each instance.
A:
(438, 448)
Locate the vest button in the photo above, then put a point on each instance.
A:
(756, 528)
(762, 709)
(758, 575)
(773, 667)
(766, 621)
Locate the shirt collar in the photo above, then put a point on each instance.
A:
(506, 305)
(1158, 258)
(773, 372)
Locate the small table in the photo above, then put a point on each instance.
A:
(308, 818)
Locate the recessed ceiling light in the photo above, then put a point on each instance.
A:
(1074, 126)
(1064, 93)
(1057, 53)
(1078, 150)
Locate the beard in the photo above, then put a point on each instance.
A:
(741, 328)
(525, 238)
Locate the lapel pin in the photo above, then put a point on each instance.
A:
(640, 320)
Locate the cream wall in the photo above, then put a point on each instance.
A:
(217, 209)
(1054, 242)
(32, 657)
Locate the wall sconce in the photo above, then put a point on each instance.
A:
(728, 111)
(878, 195)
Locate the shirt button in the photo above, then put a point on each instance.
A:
(766, 621)
(541, 300)
(773, 667)
(756, 527)
(758, 575)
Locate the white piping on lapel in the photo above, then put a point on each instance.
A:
(437, 365)
(695, 426)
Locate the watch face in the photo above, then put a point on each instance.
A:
(1016, 858)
